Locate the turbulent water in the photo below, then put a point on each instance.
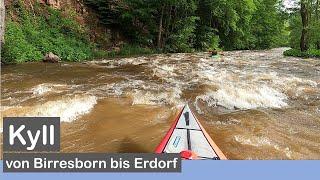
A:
(254, 104)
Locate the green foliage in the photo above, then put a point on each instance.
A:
(313, 27)
(108, 11)
(295, 28)
(125, 51)
(234, 20)
(182, 39)
(165, 25)
(17, 48)
(267, 25)
(206, 36)
(306, 54)
(185, 25)
(32, 36)
(130, 50)
(138, 22)
(206, 39)
(315, 33)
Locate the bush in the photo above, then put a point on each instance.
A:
(128, 50)
(30, 37)
(125, 51)
(298, 53)
(314, 53)
(206, 39)
(182, 39)
(16, 47)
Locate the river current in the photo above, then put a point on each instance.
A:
(254, 104)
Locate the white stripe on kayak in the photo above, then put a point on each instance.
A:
(192, 121)
(199, 144)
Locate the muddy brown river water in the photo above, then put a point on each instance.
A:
(254, 104)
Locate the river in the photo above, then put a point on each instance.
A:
(254, 104)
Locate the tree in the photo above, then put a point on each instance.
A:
(185, 25)
(305, 22)
(267, 24)
(160, 28)
(2, 22)
(206, 34)
(315, 24)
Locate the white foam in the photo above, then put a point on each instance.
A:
(244, 80)
(44, 88)
(156, 98)
(67, 108)
(258, 141)
(232, 97)
(253, 141)
(164, 71)
(41, 89)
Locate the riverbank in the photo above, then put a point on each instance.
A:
(312, 53)
(79, 30)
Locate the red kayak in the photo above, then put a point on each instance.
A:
(187, 137)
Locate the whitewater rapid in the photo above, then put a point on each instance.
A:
(260, 103)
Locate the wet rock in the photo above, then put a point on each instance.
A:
(51, 58)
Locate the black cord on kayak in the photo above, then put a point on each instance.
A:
(186, 117)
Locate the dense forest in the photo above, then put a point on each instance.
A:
(304, 28)
(148, 26)
(187, 25)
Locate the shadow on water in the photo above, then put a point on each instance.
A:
(129, 146)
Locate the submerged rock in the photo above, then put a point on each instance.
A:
(51, 58)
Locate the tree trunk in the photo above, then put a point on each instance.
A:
(2, 22)
(160, 28)
(317, 9)
(167, 28)
(318, 19)
(305, 19)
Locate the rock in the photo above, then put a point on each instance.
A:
(213, 52)
(116, 49)
(55, 4)
(51, 58)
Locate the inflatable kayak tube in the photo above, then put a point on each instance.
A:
(187, 137)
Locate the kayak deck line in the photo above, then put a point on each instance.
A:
(187, 136)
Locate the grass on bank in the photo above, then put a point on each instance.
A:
(30, 35)
(308, 54)
(125, 51)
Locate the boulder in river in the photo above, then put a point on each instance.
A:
(52, 58)
(213, 52)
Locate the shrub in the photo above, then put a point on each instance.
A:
(125, 51)
(30, 37)
(298, 53)
(16, 47)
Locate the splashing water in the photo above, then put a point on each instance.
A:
(274, 101)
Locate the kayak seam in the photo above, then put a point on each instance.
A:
(202, 129)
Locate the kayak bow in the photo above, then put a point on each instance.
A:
(187, 137)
